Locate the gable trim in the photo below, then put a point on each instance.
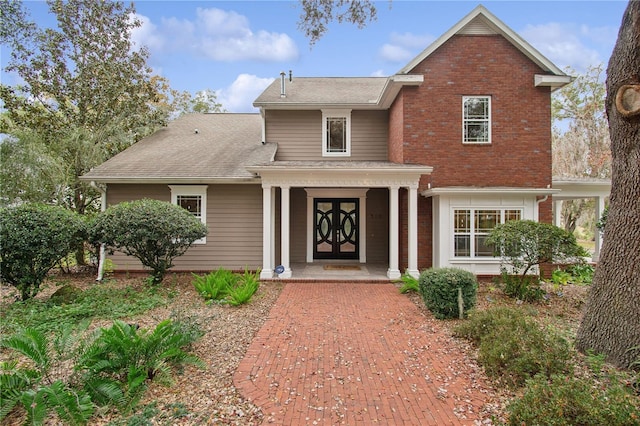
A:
(481, 13)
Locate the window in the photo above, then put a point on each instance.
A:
(476, 119)
(471, 227)
(192, 198)
(336, 133)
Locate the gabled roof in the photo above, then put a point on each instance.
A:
(195, 148)
(481, 21)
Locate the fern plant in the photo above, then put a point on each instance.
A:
(33, 388)
(215, 285)
(409, 284)
(244, 289)
(119, 361)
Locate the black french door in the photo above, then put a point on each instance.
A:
(336, 228)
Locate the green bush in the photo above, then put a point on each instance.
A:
(525, 288)
(116, 365)
(481, 323)
(33, 238)
(30, 384)
(568, 401)
(439, 289)
(223, 286)
(155, 232)
(512, 347)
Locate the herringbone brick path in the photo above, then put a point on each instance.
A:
(347, 353)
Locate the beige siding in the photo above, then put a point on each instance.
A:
(298, 225)
(234, 219)
(299, 135)
(378, 225)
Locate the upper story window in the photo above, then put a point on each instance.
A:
(336, 133)
(476, 119)
(471, 228)
(192, 198)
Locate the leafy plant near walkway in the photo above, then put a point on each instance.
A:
(440, 287)
(224, 286)
(512, 347)
(112, 368)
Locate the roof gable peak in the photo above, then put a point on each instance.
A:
(482, 22)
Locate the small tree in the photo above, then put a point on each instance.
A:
(33, 238)
(155, 232)
(523, 244)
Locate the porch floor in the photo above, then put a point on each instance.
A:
(338, 271)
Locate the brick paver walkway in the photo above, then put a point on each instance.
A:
(347, 353)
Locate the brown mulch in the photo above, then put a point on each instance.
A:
(208, 396)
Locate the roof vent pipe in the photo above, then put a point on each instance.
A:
(290, 76)
(282, 88)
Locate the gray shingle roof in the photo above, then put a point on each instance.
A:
(324, 90)
(222, 147)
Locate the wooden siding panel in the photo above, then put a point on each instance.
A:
(299, 135)
(234, 219)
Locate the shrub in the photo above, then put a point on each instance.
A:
(33, 388)
(482, 323)
(439, 289)
(33, 238)
(525, 288)
(523, 244)
(155, 232)
(567, 401)
(224, 286)
(117, 364)
(513, 347)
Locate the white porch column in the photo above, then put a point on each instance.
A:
(557, 213)
(597, 234)
(267, 236)
(284, 231)
(413, 232)
(393, 272)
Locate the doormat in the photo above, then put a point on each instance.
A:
(342, 267)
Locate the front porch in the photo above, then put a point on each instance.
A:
(332, 271)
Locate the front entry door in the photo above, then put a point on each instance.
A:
(336, 228)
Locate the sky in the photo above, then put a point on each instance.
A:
(237, 48)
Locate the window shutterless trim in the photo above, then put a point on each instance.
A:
(336, 113)
(479, 120)
(192, 191)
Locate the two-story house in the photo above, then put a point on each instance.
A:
(410, 171)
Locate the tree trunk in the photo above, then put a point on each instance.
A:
(611, 323)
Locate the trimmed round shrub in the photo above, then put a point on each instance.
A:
(33, 238)
(155, 232)
(439, 289)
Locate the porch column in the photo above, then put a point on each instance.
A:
(413, 232)
(284, 231)
(267, 236)
(597, 234)
(393, 272)
(557, 213)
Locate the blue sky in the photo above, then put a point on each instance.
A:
(237, 48)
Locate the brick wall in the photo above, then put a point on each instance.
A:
(520, 152)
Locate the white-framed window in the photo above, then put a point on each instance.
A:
(336, 133)
(192, 198)
(471, 227)
(476, 119)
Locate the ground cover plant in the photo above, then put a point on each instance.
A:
(199, 395)
(224, 286)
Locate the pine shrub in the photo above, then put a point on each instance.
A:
(439, 289)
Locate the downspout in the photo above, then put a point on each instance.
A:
(538, 202)
(103, 207)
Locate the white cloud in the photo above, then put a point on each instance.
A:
(218, 35)
(243, 91)
(563, 44)
(402, 47)
(379, 73)
(147, 34)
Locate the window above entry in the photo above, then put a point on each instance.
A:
(336, 133)
(476, 119)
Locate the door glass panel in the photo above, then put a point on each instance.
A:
(324, 227)
(347, 234)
